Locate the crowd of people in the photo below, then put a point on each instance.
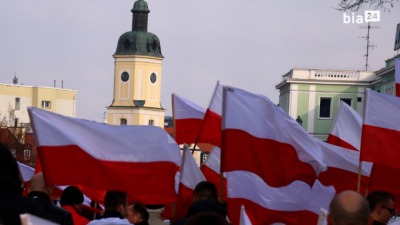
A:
(346, 208)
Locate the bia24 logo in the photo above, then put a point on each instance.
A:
(369, 16)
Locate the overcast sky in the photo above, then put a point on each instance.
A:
(247, 44)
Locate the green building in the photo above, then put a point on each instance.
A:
(312, 96)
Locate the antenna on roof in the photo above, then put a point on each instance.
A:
(368, 44)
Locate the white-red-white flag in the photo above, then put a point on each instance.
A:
(211, 129)
(381, 129)
(346, 129)
(190, 177)
(107, 157)
(188, 118)
(397, 75)
(211, 169)
(270, 161)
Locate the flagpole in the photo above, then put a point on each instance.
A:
(359, 176)
(221, 173)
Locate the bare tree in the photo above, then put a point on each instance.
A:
(355, 5)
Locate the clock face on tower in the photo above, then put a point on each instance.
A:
(153, 78)
(125, 76)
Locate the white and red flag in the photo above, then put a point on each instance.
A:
(343, 169)
(346, 129)
(142, 161)
(380, 141)
(190, 177)
(211, 169)
(397, 75)
(343, 162)
(381, 129)
(271, 162)
(188, 118)
(211, 129)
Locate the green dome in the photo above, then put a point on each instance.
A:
(139, 43)
(140, 6)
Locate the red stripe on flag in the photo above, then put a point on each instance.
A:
(187, 130)
(150, 182)
(332, 139)
(211, 131)
(342, 180)
(214, 178)
(277, 163)
(185, 199)
(260, 215)
(380, 145)
(397, 89)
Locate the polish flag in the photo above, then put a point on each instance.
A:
(343, 169)
(346, 129)
(106, 157)
(211, 130)
(380, 141)
(397, 75)
(190, 177)
(211, 171)
(188, 118)
(271, 163)
(381, 129)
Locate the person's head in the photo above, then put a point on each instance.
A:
(37, 183)
(205, 190)
(10, 178)
(381, 204)
(117, 201)
(206, 218)
(72, 196)
(348, 208)
(136, 213)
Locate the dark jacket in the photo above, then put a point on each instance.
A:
(12, 205)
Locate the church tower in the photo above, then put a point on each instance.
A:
(137, 75)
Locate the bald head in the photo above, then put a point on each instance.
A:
(37, 183)
(349, 208)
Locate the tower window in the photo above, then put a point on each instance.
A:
(151, 122)
(325, 107)
(123, 121)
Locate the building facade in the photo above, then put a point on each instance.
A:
(137, 75)
(16, 98)
(312, 96)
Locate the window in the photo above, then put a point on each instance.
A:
(17, 103)
(16, 120)
(346, 100)
(325, 108)
(27, 154)
(151, 122)
(203, 157)
(123, 121)
(359, 99)
(46, 104)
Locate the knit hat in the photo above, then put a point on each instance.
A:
(71, 196)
